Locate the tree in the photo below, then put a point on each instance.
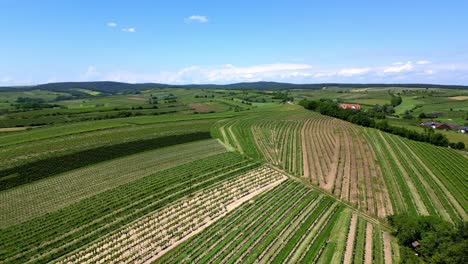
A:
(440, 241)
(396, 100)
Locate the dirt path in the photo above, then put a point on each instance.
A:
(229, 208)
(369, 240)
(237, 203)
(235, 140)
(348, 257)
(387, 248)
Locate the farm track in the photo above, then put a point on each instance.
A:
(290, 223)
(116, 208)
(142, 239)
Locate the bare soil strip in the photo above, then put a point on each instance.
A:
(369, 239)
(348, 257)
(387, 248)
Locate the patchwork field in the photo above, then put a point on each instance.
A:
(255, 182)
(378, 173)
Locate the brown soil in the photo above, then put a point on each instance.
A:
(12, 129)
(348, 256)
(369, 239)
(387, 248)
(459, 98)
(134, 98)
(201, 108)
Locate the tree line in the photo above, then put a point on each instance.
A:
(366, 119)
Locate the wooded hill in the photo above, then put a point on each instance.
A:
(120, 87)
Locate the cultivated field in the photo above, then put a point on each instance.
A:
(258, 181)
(339, 160)
(147, 238)
(31, 200)
(52, 235)
(289, 224)
(421, 178)
(378, 173)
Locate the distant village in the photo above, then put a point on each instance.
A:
(438, 125)
(432, 124)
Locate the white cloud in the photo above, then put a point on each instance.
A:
(230, 72)
(399, 68)
(111, 24)
(208, 74)
(429, 72)
(287, 72)
(129, 30)
(353, 71)
(197, 18)
(422, 62)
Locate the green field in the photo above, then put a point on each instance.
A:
(219, 175)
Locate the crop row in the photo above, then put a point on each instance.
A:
(220, 230)
(50, 236)
(29, 152)
(289, 223)
(417, 180)
(338, 159)
(50, 166)
(279, 142)
(355, 240)
(31, 200)
(155, 232)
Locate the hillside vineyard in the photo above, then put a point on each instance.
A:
(228, 177)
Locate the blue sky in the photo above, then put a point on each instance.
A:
(233, 41)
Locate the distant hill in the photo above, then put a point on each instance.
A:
(120, 87)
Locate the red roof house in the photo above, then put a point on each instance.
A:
(350, 106)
